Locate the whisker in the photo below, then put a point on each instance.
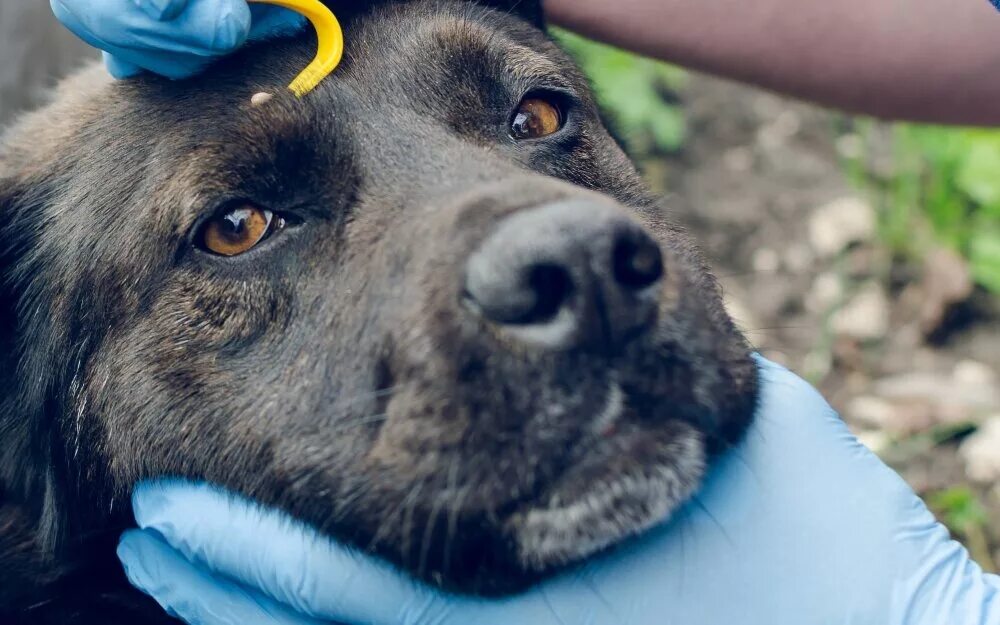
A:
(701, 506)
(741, 274)
(409, 512)
(551, 606)
(378, 394)
(451, 521)
(36, 606)
(452, 529)
(359, 422)
(345, 503)
(386, 525)
(594, 588)
(428, 537)
(784, 327)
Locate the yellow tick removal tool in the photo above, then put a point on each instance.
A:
(331, 42)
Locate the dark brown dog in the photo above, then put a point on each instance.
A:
(429, 309)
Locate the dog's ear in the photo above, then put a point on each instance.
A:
(15, 418)
(9, 427)
(530, 10)
(7, 198)
(20, 217)
(8, 325)
(23, 451)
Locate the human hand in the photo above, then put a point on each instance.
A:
(799, 525)
(173, 38)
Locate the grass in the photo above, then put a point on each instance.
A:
(943, 186)
(942, 189)
(635, 91)
(960, 510)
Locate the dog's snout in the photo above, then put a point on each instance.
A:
(637, 262)
(566, 274)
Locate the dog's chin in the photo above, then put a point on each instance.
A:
(614, 493)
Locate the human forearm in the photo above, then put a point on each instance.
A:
(927, 60)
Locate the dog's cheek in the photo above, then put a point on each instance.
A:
(162, 391)
(697, 333)
(199, 315)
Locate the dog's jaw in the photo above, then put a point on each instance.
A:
(567, 528)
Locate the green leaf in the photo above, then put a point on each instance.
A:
(959, 508)
(628, 86)
(978, 175)
(945, 183)
(984, 258)
(668, 129)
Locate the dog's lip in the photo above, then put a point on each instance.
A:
(602, 426)
(555, 536)
(614, 407)
(564, 524)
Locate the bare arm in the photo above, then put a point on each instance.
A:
(925, 60)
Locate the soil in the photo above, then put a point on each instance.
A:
(751, 178)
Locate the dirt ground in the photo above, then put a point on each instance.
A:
(761, 184)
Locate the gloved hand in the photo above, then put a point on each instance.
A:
(800, 525)
(173, 38)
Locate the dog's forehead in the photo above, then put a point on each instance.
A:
(194, 140)
(404, 38)
(387, 49)
(404, 65)
(418, 52)
(398, 56)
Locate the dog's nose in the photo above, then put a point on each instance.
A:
(566, 274)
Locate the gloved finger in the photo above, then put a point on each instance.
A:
(124, 63)
(173, 65)
(284, 559)
(273, 21)
(292, 564)
(163, 10)
(192, 594)
(119, 67)
(203, 28)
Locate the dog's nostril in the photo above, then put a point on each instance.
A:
(551, 285)
(535, 296)
(637, 261)
(574, 273)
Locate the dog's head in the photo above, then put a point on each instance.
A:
(429, 308)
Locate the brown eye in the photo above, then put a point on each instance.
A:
(239, 230)
(535, 118)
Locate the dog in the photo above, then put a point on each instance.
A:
(429, 309)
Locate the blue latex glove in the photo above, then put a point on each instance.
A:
(174, 38)
(801, 525)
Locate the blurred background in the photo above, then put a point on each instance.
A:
(863, 255)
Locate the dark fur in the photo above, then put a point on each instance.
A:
(332, 372)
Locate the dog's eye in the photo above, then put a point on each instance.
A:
(536, 117)
(239, 230)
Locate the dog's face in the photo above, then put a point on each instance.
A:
(428, 309)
